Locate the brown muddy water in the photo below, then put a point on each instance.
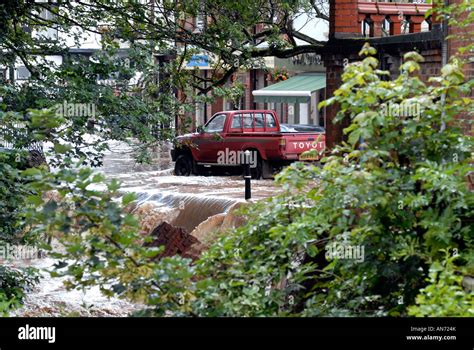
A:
(181, 201)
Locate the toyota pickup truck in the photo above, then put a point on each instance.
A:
(222, 142)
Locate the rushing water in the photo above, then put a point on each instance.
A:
(181, 201)
(50, 297)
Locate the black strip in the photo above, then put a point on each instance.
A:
(75, 332)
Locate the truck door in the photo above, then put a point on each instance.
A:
(211, 140)
(234, 138)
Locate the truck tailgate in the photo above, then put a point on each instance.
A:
(297, 143)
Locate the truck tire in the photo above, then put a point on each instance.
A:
(263, 170)
(183, 165)
(267, 170)
(257, 172)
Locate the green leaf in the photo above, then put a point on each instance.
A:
(128, 198)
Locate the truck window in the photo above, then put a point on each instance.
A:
(259, 120)
(248, 120)
(216, 124)
(236, 122)
(271, 123)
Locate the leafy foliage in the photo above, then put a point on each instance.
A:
(396, 191)
(396, 188)
(14, 283)
(444, 296)
(12, 194)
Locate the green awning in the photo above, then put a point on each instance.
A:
(297, 89)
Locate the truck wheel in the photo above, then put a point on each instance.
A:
(263, 170)
(267, 170)
(257, 172)
(183, 165)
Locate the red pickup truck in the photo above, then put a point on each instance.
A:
(227, 135)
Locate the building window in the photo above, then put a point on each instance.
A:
(200, 19)
(426, 25)
(22, 73)
(387, 27)
(199, 23)
(406, 26)
(368, 27)
(47, 32)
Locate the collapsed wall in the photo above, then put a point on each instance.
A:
(164, 226)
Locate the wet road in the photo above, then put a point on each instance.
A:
(158, 177)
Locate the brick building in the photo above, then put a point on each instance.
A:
(258, 77)
(393, 28)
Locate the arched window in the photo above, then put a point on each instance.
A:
(368, 27)
(406, 25)
(426, 25)
(387, 27)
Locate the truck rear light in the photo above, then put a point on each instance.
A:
(282, 144)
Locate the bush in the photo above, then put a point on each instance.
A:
(12, 194)
(13, 285)
(444, 296)
(396, 190)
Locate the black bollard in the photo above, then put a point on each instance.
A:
(247, 176)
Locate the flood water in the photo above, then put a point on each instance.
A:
(50, 298)
(181, 201)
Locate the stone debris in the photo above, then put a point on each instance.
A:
(176, 242)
